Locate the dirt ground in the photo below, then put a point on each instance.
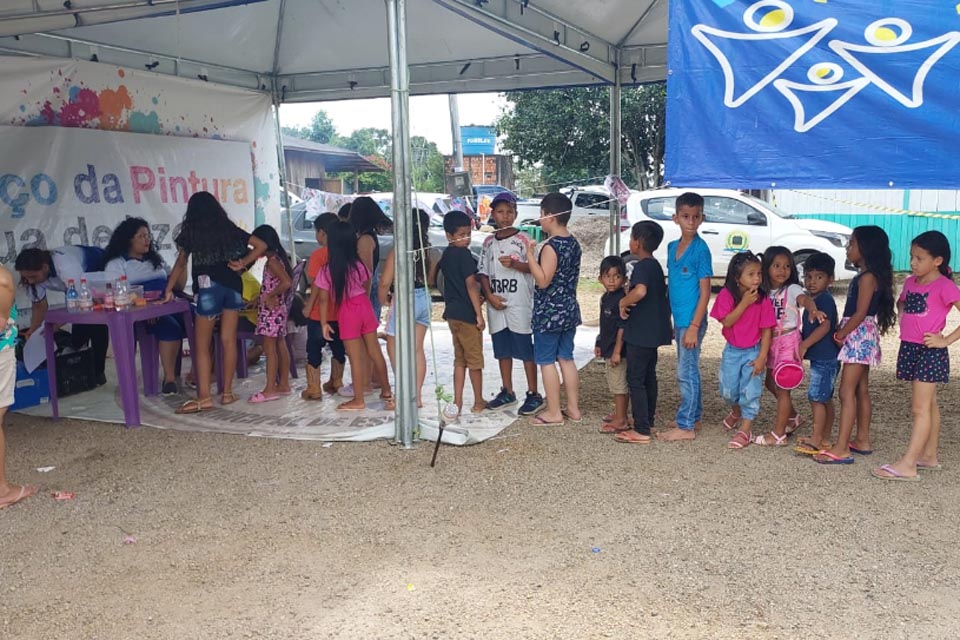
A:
(539, 533)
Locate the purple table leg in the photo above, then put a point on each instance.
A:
(124, 350)
(149, 355)
(51, 349)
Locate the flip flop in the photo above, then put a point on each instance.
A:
(195, 406)
(859, 452)
(570, 418)
(929, 467)
(537, 421)
(832, 458)
(25, 492)
(806, 449)
(606, 427)
(260, 396)
(343, 407)
(892, 474)
(632, 437)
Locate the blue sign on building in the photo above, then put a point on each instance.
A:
(478, 140)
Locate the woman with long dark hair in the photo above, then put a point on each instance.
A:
(42, 271)
(220, 251)
(132, 252)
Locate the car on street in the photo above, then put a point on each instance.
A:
(735, 222)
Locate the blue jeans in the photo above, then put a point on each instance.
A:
(738, 385)
(823, 377)
(690, 410)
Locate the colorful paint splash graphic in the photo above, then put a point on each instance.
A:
(71, 104)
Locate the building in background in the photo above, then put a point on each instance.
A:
(309, 163)
(480, 158)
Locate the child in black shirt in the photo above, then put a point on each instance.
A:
(610, 342)
(647, 314)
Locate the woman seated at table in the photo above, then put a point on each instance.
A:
(132, 253)
(41, 271)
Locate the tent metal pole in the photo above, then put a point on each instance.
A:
(406, 363)
(455, 132)
(282, 164)
(615, 158)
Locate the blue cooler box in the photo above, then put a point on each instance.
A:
(32, 388)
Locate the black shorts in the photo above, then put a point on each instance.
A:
(917, 362)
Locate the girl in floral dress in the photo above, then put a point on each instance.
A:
(272, 316)
(868, 314)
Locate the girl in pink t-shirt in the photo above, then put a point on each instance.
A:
(347, 279)
(924, 303)
(747, 316)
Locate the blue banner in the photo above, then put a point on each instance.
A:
(814, 94)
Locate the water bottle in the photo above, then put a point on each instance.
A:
(108, 301)
(121, 297)
(73, 298)
(84, 297)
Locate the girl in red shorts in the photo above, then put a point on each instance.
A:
(347, 279)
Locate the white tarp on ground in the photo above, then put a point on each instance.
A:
(61, 186)
(295, 419)
(80, 94)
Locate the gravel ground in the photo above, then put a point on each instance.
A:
(540, 533)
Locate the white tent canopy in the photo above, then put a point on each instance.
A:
(319, 50)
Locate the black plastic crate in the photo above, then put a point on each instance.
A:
(75, 372)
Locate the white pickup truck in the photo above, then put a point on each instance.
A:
(736, 222)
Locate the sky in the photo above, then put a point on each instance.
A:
(429, 115)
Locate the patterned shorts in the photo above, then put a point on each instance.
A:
(862, 346)
(920, 363)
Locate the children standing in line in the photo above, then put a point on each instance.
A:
(508, 288)
(556, 312)
(315, 341)
(689, 267)
(868, 314)
(782, 284)
(421, 297)
(346, 280)
(819, 348)
(926, 300)
(461, 295)
(647, 312)
(610, 344)
(747, 316)
(272, 316)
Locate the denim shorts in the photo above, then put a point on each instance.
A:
(421, 311)
(509, 345)
(823, 377)
(550, 346)
(215, 299)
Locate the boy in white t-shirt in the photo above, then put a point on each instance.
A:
(508, 287)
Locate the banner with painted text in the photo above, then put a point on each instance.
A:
(63, 186)
(813, 93)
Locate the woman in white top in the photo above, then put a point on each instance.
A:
(41, 271)
(132, 253)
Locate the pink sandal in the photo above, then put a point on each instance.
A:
(778, 441)
(260, 396)
(739, 441)
(731, 421)
(793, 424)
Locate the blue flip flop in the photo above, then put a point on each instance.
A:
(859, 452)
(832, 458)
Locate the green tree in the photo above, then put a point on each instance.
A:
(375, 145)
(321, 129)
(427, 165)
(566, 132)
